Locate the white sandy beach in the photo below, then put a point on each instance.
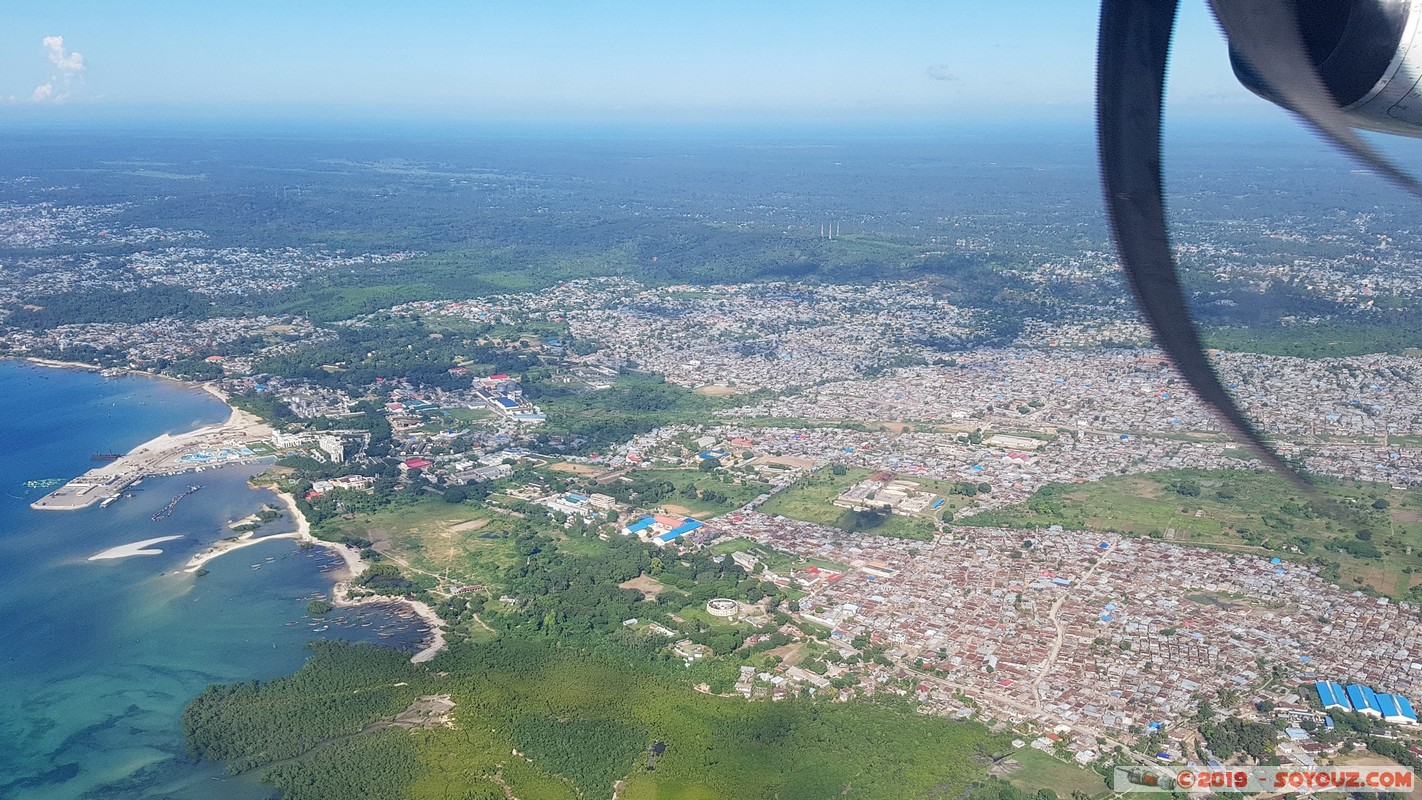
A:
(133, 549)
(355, 565)
(50, 362)
(228, 545)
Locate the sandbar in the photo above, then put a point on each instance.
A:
(228, 545)
(52, 362)
(134, 549)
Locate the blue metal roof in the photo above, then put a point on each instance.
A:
(641, 524)
(1372, 698)
(1340, 697)
(1355, 697)
(1327, 697)
(685, 527)
(1396, 707)
(506, 402)
(574, 497)
(668, 536)
(1363, 698)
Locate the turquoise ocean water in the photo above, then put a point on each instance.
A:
(98, 658)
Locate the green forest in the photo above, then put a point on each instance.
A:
(580, 718)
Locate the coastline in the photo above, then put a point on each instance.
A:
(355, 565)
(159, 456)
(55, 363)
(226, 546)
(340, 590)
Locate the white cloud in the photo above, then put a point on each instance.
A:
(69, 64)
(69, 69)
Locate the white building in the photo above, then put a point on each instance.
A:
(332, 446)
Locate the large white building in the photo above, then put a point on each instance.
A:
(333, 446)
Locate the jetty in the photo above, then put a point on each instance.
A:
(167, 511)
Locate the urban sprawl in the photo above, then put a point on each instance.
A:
(1090, 639)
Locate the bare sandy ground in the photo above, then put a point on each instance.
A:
(716, 391)
(576, 469)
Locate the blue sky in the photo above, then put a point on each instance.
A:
(615, 60)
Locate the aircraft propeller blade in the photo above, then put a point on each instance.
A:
(1133, 49)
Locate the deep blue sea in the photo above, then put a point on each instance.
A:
(97, 658)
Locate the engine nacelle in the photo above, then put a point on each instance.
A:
(1368, 54)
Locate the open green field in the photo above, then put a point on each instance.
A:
(1037, 769)
(811, 499)
(468, 414)
(687, 480)
(580, 721)
(464, 540)
(777, 560)
(1358, 545)
(584, 546)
